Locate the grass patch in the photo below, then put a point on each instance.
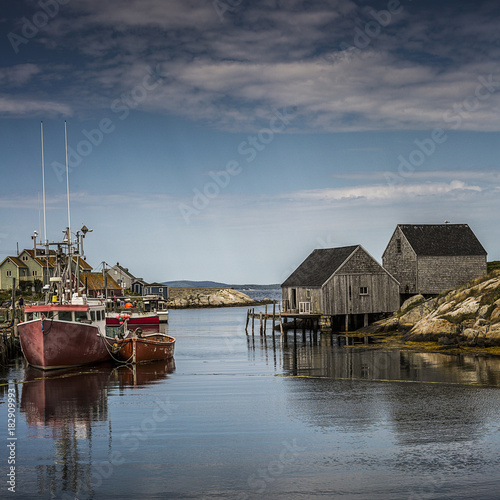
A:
(493, 266)
(458, 318)
(411, 306)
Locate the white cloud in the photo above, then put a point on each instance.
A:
(382, 192)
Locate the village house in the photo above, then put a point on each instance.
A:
(97, 285)
(431, 258)
(140, 287)
(34, 269)
(122, 276)
(345, 282)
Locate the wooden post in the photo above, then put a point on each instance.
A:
(260, 321)
(253, 319)
(246, 325)
(14, 319)
(265, 319)
(281, 324)
(365, 320)
(346, 323)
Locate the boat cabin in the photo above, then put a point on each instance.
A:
(79, 313)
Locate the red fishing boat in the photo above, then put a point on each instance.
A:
(152, 310)
(139, 348)
(133, 319)
(64, 335)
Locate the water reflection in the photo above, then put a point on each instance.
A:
(310, 354)
(71, 407)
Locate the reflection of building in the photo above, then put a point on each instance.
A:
(331, 360)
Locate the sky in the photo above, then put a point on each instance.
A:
(226, 140)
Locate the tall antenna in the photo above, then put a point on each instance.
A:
(70, 254)
(67, 178)
(43, 188)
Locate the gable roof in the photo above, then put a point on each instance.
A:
(94, 281)
(123, 270)
(319, 266)
(15, 261)
(442, 239)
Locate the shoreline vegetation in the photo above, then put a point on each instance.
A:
(465, 320)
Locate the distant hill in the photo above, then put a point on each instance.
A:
(216, 284)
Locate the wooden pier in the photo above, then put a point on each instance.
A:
(281, 320)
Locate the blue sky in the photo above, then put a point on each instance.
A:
(226, 140)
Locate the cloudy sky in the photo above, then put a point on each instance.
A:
(225, 140)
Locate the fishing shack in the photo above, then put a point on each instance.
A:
(345, 285)
(431, 258)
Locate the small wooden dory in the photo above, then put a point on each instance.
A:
(141, 349)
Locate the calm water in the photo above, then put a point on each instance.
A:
(241, 418)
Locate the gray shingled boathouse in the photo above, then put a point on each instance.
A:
(431, 258)
(345, 282)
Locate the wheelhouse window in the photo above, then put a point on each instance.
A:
(363, 290)
(43, 314)
(65, 315)
(80, 315)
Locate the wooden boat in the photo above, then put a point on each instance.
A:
(65, 335)
(138, 348)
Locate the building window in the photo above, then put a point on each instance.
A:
(398, 245)
(25, 258)
(35, 273)
(9, 274)
(363, 290)
(308, 294)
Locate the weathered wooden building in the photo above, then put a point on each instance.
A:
(431, 258)
(342, 281)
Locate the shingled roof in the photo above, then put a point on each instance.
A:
(442, 239)
(319, 266)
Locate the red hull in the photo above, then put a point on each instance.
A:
(144, 320)
(149, 348)
(63, 344)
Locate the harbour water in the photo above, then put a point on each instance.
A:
(236, 417)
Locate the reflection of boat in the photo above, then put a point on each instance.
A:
(71, 407)
(137, 348)
(75, 395)
(143, 374)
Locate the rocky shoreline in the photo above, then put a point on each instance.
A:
(464, 318)
(185, 298)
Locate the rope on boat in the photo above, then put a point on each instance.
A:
(107, 345)
(50, 327)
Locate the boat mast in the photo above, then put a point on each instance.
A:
(46, 243)
(70, 256)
